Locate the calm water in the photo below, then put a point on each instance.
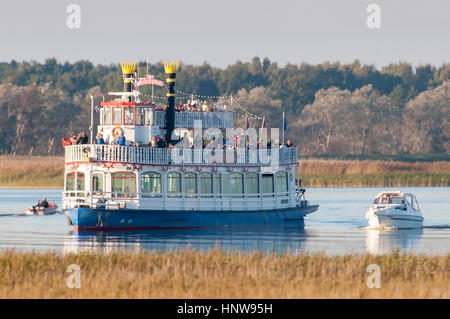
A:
(337, 228)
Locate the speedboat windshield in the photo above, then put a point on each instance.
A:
(387, 199)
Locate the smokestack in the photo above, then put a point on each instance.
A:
(171, 69)
(128, 74)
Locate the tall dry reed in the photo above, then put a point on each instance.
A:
(215, 274)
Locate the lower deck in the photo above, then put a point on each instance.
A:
(115, 186)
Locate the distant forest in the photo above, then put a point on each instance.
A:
(331, 108)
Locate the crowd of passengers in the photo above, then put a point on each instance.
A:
(160, 142)
(81, 138)
(193, 105)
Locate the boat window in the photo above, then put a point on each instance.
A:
(190, 183)
(75, 182)
(144, 116)
(237, 183)
(70, 182)
(117, 116)
(415, 203)
(396, 200)
(80, 181)
(282, 183)
(174, 183)
(129, 116)
(225, 183)
(206, 183)
(267, 184)
(218, 184)
(123, 184)
(252, 183)
(151, 184)
(148, 116)
(97, 183)
(107, 116)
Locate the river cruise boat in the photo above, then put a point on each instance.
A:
(163, 167)
(395, 209)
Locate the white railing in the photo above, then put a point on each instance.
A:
(166, 156)
(186, 119)
(165, 201)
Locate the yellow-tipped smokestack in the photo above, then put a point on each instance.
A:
(128, 70)
(171, 67)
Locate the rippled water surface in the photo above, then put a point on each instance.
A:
(337, 228)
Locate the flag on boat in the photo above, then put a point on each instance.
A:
(150, 80)
(284, 122)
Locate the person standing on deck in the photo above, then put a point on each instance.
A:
(121, 140)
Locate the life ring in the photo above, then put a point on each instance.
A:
(117, 132)
(86, 149)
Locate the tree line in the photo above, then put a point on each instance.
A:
(332, 108)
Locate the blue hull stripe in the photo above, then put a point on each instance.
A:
(101, 219)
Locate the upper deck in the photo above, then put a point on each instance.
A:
(172, 156)
(135, 114)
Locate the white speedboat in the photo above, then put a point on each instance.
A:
(395, 209)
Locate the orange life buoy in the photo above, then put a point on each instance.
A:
(117, 132)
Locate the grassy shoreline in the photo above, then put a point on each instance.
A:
(215, 274)
(47, 172)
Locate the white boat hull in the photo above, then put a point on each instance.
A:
(405, 221)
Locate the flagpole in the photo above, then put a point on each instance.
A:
(91, 128)
(284, 119)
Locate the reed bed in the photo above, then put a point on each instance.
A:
(35, 171)
(32, 171)
(215, 274)
(370, 173)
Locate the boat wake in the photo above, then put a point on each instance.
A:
(437, 226)
(380, 227)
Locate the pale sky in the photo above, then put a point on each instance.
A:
(221, 32)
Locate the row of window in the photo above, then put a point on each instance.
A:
(126, 116)
(188, 183)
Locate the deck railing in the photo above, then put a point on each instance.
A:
(173, 156)
(186, 119)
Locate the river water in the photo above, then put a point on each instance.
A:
(338, 227)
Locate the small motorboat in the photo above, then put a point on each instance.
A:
(36, 210)
(395, 209)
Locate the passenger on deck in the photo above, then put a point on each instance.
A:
(289, 144)
(73, 139)
(162, 142)
(121, 140)
(82, 138)
(205, 107)
(100, 139)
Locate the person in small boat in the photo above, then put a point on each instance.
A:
(44, 203)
